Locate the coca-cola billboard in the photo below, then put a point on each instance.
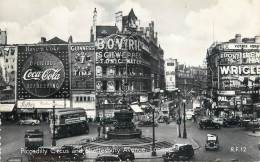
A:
(43, 72)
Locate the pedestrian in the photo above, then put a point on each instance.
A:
(195, 119)
(98, 129)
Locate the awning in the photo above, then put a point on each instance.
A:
(145, 105)
(136, 108)
(6, 107)
(26, 110)
(39, 111)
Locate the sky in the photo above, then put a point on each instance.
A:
(186, 28)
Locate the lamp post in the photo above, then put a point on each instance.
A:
(153, 146)
(53, 122)
(184, 114)
(179, 120)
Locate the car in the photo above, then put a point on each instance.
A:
(212, 142)
(162, 119)
(253, 124)
(15, 159)
(230, 121)
(178, 152)
(64, 153)
(206, 123)
(29, 121)
(244, 121)
(108, 157)
(218, 120)
(189, 115)
(33, 139)
(147, 124)
(125, 154)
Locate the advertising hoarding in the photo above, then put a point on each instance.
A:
(82, 66)
(170, 81)
(120, 49)
(43, 71)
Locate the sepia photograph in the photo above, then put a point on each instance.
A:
(129, 80)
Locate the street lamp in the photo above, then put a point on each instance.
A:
(153, 146)
(179, 121)
(53, 121)
(184, 114)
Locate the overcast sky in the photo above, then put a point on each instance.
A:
(185, 27)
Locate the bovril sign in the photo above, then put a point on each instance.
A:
(119, 49)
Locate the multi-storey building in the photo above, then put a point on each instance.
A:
(184, 79)
(199, 84)
(128, 60)
(233, 76)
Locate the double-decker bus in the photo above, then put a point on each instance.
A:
(69, 122)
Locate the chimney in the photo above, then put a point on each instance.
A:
(119, 21)
(257, 39)
(238, 38)
(43, 40)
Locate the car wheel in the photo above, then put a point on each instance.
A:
(20, 123)
(33, 123)
(87, 131)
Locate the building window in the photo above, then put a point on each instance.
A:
(117, 85)
(88, 99)
(85, 98)
(80, 98)
(77, 98)
(104, 85)
(87, 58)
(117, 70)
(6, 60)
(104, 70)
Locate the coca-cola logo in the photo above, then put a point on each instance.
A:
(43, 74)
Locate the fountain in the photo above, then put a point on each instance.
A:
(124, 128)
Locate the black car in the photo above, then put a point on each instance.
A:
(147, 124)
(206, 123)
(212, 142)
(178, 152)
(33, 139)
(125, 154)
(109, 157)
(230, 121)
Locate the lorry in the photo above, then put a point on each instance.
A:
(196, 105)
(33, 139)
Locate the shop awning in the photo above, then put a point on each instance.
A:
(136, 108)
(26, 111)
(6, 107)
(145, 105)
(39, 111)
